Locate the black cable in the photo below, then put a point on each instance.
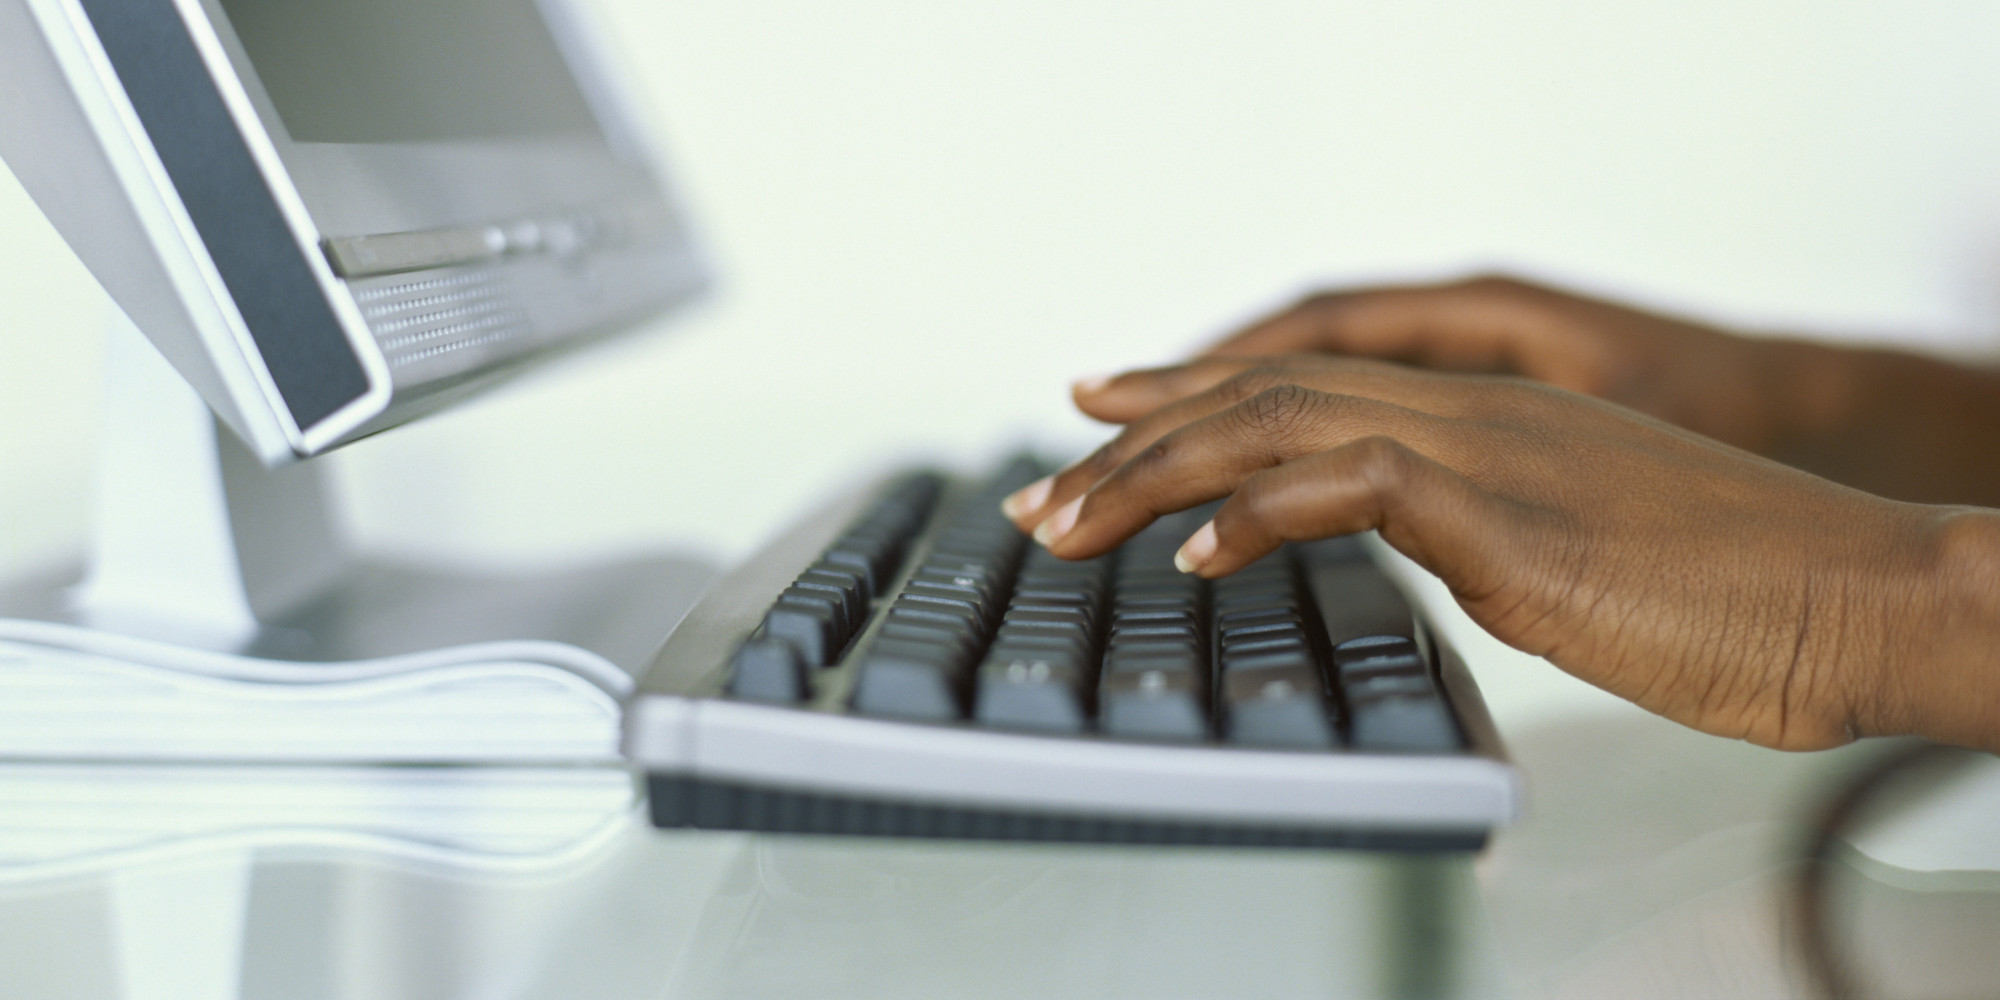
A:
(1833, 977)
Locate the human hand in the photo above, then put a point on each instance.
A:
(1730, 593)
(1726, 387)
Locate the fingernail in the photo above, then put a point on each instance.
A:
(1090, 383)
(1028, 499)
(1052, 530)
(1198, 550)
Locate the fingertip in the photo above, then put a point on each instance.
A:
(1090, 385)
(1198, 550)
(1029, 500)
(1101, 398)
(1051, 531)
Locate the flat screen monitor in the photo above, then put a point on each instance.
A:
(335, 215)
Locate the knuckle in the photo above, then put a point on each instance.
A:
(1099, 463)
(1244, 385)
(1155, 458)
(1279, 411)
(1257, 501)
(1383, 463)
(1105, 459)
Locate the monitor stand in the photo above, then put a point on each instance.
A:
(196, 545)
(204, 561)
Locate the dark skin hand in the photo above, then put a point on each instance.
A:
(1726, 591)
(1894, 424)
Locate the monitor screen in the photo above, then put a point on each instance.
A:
(380, 71)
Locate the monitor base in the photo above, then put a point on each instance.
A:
(224, 619)
(197, 545)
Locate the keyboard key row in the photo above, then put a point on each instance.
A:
(1272, 692)
(816, 617)
(989, 628)
(1038, 673)
(1392, 702)
(919, 666)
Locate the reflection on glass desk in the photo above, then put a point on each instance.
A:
(1652, 862)
(650, 914)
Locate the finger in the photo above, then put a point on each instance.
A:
(1475, 325)
(1132, 396)
(1127, 396)
(1389, 383)
(1211, 457)
(1296, 329)
(1039, 501)
(1423, 508)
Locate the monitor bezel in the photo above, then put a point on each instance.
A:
(161, 240)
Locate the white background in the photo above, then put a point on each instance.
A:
(927, 218)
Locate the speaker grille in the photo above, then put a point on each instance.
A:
(440, 315)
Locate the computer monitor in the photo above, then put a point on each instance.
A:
(334, 216)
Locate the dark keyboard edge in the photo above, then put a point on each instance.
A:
(683, 801)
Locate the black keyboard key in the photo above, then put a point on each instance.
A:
(1049, 614)
(1086, 602)
(1270, 628)
(1040, 567)
(1374, 687)
(1274, 655)
(974, 598)
(1261, 642)
(769, 669)
(1374, 653)
(1359, 601)
(810, 622)
(852, 579)
(1148, 585)
(1068, 633)
(1175, 613)
(1401, 724)
(986, 584)
(1256, 598)
(1025, 691)
(1391, 667)
(966, 630)
(1278, 707)
(1126, 661)
(934, 633)
(1155, 630)
(1057, 648)
(1044, 596)
(971, 614)
(1237, 615)
(978, 543)
(849, 603)
(875, 555)
(990, 570)
(1393, 703)
(899, 678)
(1151, 646)
(1069, 648)
(1157, 700)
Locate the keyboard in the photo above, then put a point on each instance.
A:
(908, 664)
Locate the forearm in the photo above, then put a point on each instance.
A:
(1897, 425)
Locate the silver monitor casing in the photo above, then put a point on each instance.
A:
(304, 289)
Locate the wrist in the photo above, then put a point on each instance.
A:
(1943, 681)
